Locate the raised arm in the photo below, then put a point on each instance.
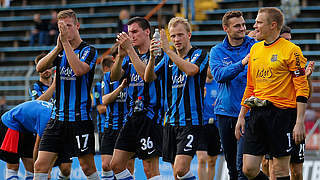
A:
(149, 74)
(124, 40)
(222, 72)
(309, 71)
(47, 61)
(116, 70)
(46, 96)
(112, 96)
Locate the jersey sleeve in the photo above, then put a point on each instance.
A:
(200, 58)
(219, 70)
(106, 81)
(89, 55)
(126, 66)
(296, 65)
(160, 64)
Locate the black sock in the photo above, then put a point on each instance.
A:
(261, 176)
(283, 178)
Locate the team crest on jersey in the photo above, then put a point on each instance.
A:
(102, 84)
(34, 92)
(96, 95)
(274, 58)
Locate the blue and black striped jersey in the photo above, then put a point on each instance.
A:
(38, 89)
(184, 94)
(73, 101)
(116, 114)
(151, 93)
(97, 100)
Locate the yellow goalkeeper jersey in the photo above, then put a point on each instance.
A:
(276, 72)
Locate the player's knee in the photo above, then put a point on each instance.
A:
(106, 166)
(87, 169)
(117, 167)
(280, 170)
(202, 160)
(181, 171)
(250, 171)
(41, 166)
(14, 167)
(212, 161)
(65, 169)
(296, 175)
(150, 168)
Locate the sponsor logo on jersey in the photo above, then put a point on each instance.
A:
(67, 73)
(178, 81)
(264, 73)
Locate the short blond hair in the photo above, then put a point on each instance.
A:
(179, 20)
(274, 15)
(69, 13)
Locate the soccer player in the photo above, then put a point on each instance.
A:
(70, 131)
(141, 136)
(184, 79)
(115, 98)
(39, 87)
(18, 126)
(209, 140)
(276, 78)
(297, 156)
(228, 66)
(106, 64)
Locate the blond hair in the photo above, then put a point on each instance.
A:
(179, 20)
(69, 13)
(274, 15)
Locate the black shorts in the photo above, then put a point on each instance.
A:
(270, 131)
(140, 135)
(179, 140)
(108, 142)
(209, 140)
(25, 146)
(68, 139)
(297, 155)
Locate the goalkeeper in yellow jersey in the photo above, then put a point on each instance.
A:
(277, 92)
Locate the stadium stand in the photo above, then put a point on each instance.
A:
(98, 27)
